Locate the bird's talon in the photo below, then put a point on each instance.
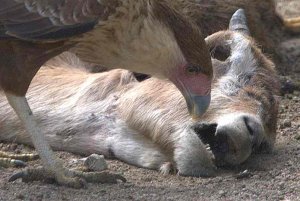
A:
(19, 163)
(18, 175)
(75, 179)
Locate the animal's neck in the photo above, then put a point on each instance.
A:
(137, 37)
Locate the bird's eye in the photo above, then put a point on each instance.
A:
(193, 70)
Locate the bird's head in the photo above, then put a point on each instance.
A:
(195, 85)
(193, 73)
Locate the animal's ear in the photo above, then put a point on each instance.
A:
(224, 44)
(205, 131)
(238, 22)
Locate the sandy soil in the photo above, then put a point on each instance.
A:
(273, 176)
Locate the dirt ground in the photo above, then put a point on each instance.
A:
(273, 176)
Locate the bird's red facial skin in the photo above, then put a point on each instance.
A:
(193, 83)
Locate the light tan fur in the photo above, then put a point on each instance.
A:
(147, 124)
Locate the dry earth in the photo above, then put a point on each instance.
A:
(273, 176)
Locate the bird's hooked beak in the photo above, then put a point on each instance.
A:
(196, 91)
(197, 105)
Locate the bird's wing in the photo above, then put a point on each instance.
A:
(51, 19)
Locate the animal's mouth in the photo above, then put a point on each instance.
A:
(207, 133)
(228, 147)
(218, 145)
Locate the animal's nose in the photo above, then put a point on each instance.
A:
(244, 127)
(236, 137)
(254, 130)
(233, 139)
(224, 143)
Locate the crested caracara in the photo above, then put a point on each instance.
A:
(145, 36)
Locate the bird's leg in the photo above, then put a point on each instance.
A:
(52, 165)
(53, 168)
(15, 160)
(23, 157)
(39, 173)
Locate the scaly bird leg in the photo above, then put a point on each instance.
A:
(15, 160)
(39, 173)
(53, 168)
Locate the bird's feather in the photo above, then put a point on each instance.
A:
(51, 19)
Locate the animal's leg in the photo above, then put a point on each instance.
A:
(53, 168)
(51, 164)
(15, 160)
(191, 156)
(134, 148)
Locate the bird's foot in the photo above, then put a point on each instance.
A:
(70, 178)
(15, 160)
(9, 162)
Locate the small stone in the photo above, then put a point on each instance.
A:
(39, 197)
(295, 99)
(286, 123)
(289, 96)
(288, 12)
(296, 93)
(95, 162)
(5, 149)
(222, 193)
(127, 185)
(148, 179)
(281, 185)
(14, 146)
(20, 196)
(244, 174)
(18, 151)
(103, 191)
(297, 137)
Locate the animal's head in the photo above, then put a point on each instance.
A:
(191, 70)
(243, 112)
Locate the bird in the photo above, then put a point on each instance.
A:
(144, 36)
